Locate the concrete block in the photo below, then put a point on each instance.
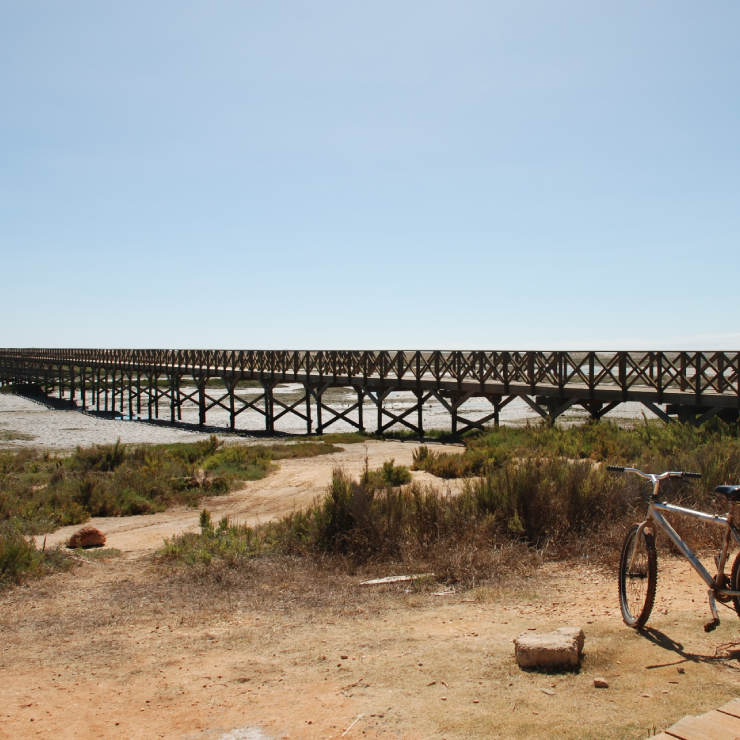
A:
(561, 648)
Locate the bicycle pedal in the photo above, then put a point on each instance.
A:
(711, 626)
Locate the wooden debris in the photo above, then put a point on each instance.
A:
(352, 725)
(396, 579)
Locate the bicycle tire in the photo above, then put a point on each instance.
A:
(735, 581)
(637, 589)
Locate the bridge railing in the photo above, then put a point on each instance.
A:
(697, 373)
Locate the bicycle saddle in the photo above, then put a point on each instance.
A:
(732, 492)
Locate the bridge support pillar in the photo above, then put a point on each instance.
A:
(138, 394)
(200, 384)
(419, 412)
(268, 387)
(175, 405)
(318, 394)
(309, 421)
(130, 378)
(360, 404)
(230, 385)
(83, 388)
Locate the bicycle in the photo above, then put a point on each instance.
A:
(638, 565)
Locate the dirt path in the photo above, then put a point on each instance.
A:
(293, 486)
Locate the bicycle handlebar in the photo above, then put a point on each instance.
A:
(653, 476)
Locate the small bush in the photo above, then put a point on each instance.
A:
(389, 475)
(20, 558)
(451, 465)
(227, 542)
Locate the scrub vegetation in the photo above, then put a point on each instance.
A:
(539, 492)
(40, 491)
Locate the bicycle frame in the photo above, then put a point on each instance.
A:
(656, 519)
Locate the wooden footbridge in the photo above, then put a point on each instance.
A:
(139, 384)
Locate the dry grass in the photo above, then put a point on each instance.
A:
(176, 651)
(362, 523)
(536, 509)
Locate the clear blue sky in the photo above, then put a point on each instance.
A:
(413, 174)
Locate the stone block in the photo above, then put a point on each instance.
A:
(561, 648)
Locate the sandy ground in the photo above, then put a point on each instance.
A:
(293, 486)
(27, 423)
(123, 647)
(120, 649)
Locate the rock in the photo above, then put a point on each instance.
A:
(601, 683)
(561, 648)
(86, 537)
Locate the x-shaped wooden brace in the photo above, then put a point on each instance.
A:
(658, 412)
(153, 384)
(231, 391)
(337, 416)
(189, 396)
(250, 404)
(544, 414)
(597, 411)
(399, 418)
(470, 423)
(289, 408)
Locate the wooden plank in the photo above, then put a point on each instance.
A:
(713, 725)
(732, 707)
(725, 723)
(687, 729)
(396, 579)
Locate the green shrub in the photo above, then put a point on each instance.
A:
(712, 449)
(20, 558)
(228, 542)
(388, 475)
(41, 491)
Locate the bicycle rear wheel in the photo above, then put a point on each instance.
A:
(637, 584)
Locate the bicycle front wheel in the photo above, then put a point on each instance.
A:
(735, 583)
(637, 584)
